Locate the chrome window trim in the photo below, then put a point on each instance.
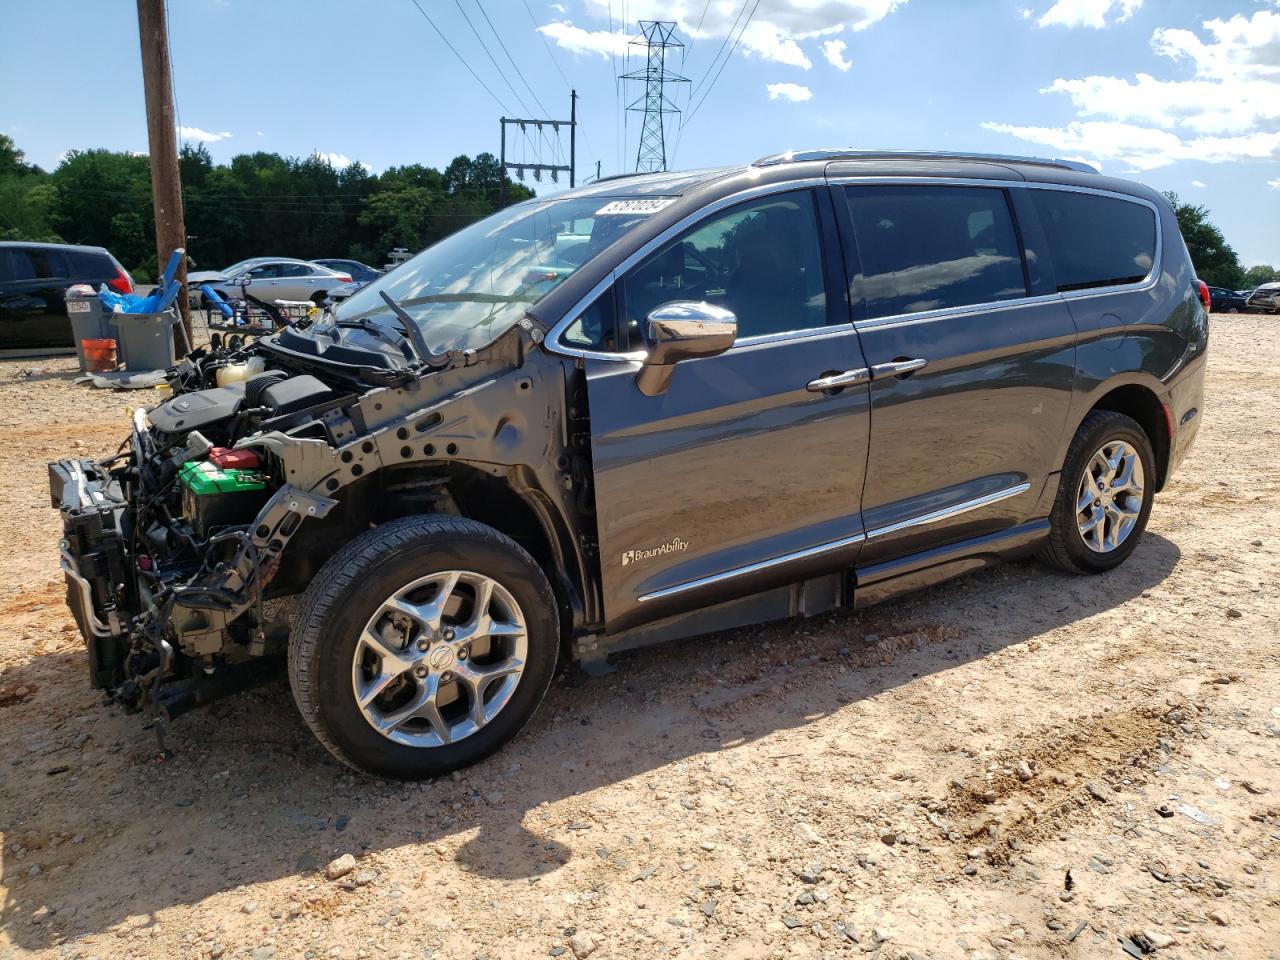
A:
(934, 516)
(556, 344)
(899, 319)
(946, 513)
(753, 567)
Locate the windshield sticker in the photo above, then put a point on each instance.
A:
(632, 207)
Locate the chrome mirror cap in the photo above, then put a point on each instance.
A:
(683, 330)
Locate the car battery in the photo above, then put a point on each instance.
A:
(214, 497)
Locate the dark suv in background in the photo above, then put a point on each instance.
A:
(33, 281)
(656, 406)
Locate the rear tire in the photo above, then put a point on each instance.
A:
(399, 668)
(1104, 496)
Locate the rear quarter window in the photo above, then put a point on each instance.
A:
(1096, 241)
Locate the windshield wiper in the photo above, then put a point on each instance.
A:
(420, 346)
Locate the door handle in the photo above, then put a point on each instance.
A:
(837, 381)
(898, 368)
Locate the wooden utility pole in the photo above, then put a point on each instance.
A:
(162, 137)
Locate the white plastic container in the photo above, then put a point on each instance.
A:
(240, 372)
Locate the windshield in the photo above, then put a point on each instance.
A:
(474, 285)
(242, 265)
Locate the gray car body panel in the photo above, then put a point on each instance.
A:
(718, 493)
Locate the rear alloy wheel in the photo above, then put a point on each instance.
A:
(1104, 495)
(422, 646)
(1110, 497)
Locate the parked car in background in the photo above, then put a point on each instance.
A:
(1266, 297)
(33, 281)
(1227, 301)
(270, 278)
(360, 272)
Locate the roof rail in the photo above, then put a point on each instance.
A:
(799, 156)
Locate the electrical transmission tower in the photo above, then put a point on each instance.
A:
(657, 36)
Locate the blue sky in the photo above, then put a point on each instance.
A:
(1181, 94)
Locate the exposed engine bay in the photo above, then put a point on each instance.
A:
(182, 550)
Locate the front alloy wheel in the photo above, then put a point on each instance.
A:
(423, 645)
(439, 659)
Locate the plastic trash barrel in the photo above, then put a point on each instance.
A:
(88, 322)
(146, 339)
(96, 355)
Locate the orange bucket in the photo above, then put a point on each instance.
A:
(99, 355)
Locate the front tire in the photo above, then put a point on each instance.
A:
(423, 646)
(1104, 497)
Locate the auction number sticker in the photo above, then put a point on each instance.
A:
(78, 306)
(633, 207)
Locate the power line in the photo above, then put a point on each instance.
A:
(514, 65)
(483, 46)
(714, 60)
(547, 43)
(455, 52)
(706, 93)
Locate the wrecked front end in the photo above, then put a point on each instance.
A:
(185, 551)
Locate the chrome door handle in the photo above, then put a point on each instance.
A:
(837, 381)
(898, 368)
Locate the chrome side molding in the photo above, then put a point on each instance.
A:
(934, 516)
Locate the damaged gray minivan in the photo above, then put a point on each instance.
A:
(653, 407)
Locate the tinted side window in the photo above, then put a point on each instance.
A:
(762, 260)
(295, 270)
(265, 271)
(933, 248)
(1096, 241)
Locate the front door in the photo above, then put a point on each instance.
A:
(745, 473)
(972, 358)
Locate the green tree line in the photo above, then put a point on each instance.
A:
(1216, 262)
(259, 204)
(263, 204)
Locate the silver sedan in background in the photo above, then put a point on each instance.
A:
(270, 278)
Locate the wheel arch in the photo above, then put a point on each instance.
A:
(508, 500)
(1141, 402)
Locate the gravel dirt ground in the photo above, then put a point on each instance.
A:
(1016, 764)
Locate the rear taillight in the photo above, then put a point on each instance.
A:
(121, 282)
(344, 278)
(1204, 295)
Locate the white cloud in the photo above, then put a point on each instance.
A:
(1202, 105)
(1274, 184)
(775, 32)
(834, 50)
(259, 133)
(204, 136)
(795, 92)
(1026, 13)
(1229, 109)
(1199, 184)
(1143, 148)
(1088, 13)
(336, 160)
(577, 40)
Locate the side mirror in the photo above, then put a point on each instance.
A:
(683, 330)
